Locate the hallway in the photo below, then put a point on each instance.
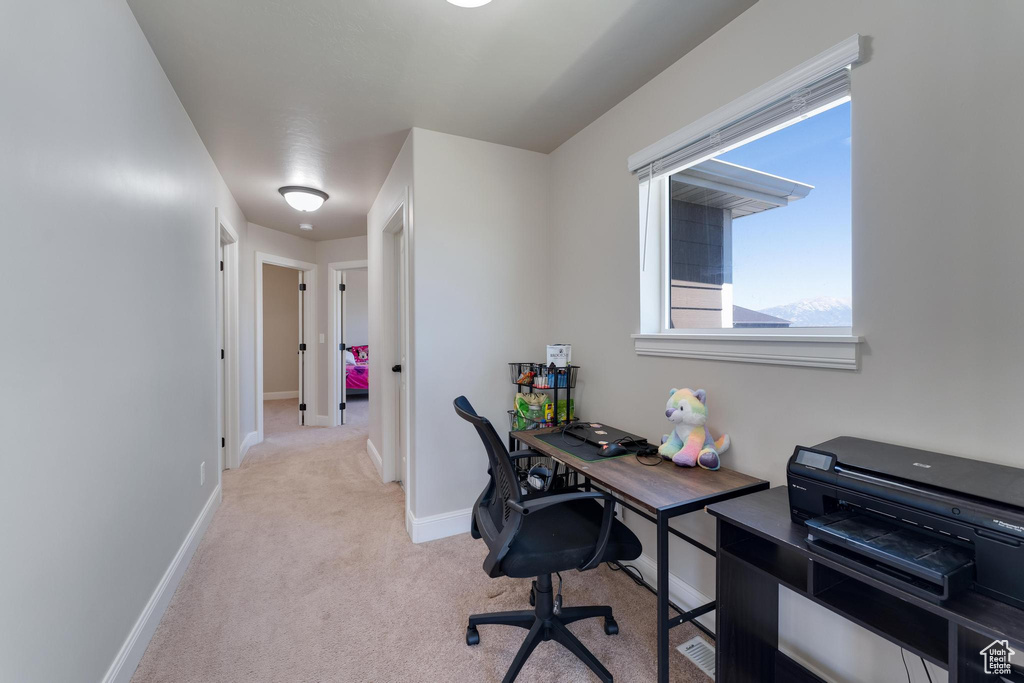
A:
(307, 574)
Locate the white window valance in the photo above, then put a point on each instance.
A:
(815, 85)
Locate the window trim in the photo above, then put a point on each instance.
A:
(835, 351)
(835, 348)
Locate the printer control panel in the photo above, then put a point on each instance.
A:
(819, 460)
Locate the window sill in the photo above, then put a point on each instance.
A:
(834, 351)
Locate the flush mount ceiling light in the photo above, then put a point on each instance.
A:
(305, 226)
(303, 198)
(469, 3)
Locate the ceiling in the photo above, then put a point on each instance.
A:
(322, 92)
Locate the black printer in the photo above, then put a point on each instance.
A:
(932, 524)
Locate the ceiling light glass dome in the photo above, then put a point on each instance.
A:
(303, 198)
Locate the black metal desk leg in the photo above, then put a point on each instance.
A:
(662, 597)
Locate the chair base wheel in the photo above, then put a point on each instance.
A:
(611, 627)
(472, 636)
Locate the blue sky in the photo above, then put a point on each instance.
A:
(801, 251)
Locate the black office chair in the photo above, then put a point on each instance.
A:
(535, 536)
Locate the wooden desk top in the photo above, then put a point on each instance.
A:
(654, 488)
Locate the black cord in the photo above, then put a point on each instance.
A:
(904, 658)
(658, 459)
(565, 427)
(644, 450)
(926, 673)
(630, 571)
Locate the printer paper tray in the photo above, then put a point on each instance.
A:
(904, 558)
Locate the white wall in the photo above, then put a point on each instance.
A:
(481, 225)
(107, 208)
(327, 252)
(479, 214)
(357, 331)
(937, 162)
(280, 329)
(397, 188)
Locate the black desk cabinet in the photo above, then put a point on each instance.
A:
(760, 548)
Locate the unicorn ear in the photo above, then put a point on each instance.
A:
(672, 392)
(701, 395)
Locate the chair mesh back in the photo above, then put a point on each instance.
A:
(503, 475)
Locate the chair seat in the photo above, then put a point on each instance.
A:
(561, 537)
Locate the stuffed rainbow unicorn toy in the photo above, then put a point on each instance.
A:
(690, 442)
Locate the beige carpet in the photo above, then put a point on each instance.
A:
(307, 574)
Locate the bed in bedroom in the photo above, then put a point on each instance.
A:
(357, 371)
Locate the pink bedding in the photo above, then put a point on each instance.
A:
(357, 376)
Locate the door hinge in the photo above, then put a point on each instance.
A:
(341, 287)
(222, 354)
(302, 286)
(341, 347)
(341, 406)
(302, 407)
(302, 347)
(222, 265)
(222, 442)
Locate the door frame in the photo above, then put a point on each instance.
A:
(335, 367)
(397, 224)
(227, 307)
(309, 318)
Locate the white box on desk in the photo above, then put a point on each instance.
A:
(559, 354)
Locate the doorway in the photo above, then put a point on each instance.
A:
(396, 362)
(348, 326)
(283, 342)
(226, 269)
(302, 283)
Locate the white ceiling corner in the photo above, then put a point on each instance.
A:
(323, 92)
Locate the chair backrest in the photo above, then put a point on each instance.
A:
(503, 475)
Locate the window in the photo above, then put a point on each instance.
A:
(759, 236)
(745, 226)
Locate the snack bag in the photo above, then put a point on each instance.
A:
(523, 404)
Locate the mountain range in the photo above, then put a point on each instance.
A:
(822, 311)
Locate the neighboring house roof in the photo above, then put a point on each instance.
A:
(749, 317)
(745, 191)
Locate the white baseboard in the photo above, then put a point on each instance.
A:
(128, 658)
(680, 592)
(250, 440)
(279, 395)
(378, 462)
(423, 529)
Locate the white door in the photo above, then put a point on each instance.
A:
(403, 361)
(221, 388)
(302, 350)
(343, 378)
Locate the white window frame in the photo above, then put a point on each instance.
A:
(822, 347)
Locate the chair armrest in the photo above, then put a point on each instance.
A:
(602, 538)
(535, 504)
(526, 453)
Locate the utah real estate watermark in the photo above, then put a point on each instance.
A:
(996, 657)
